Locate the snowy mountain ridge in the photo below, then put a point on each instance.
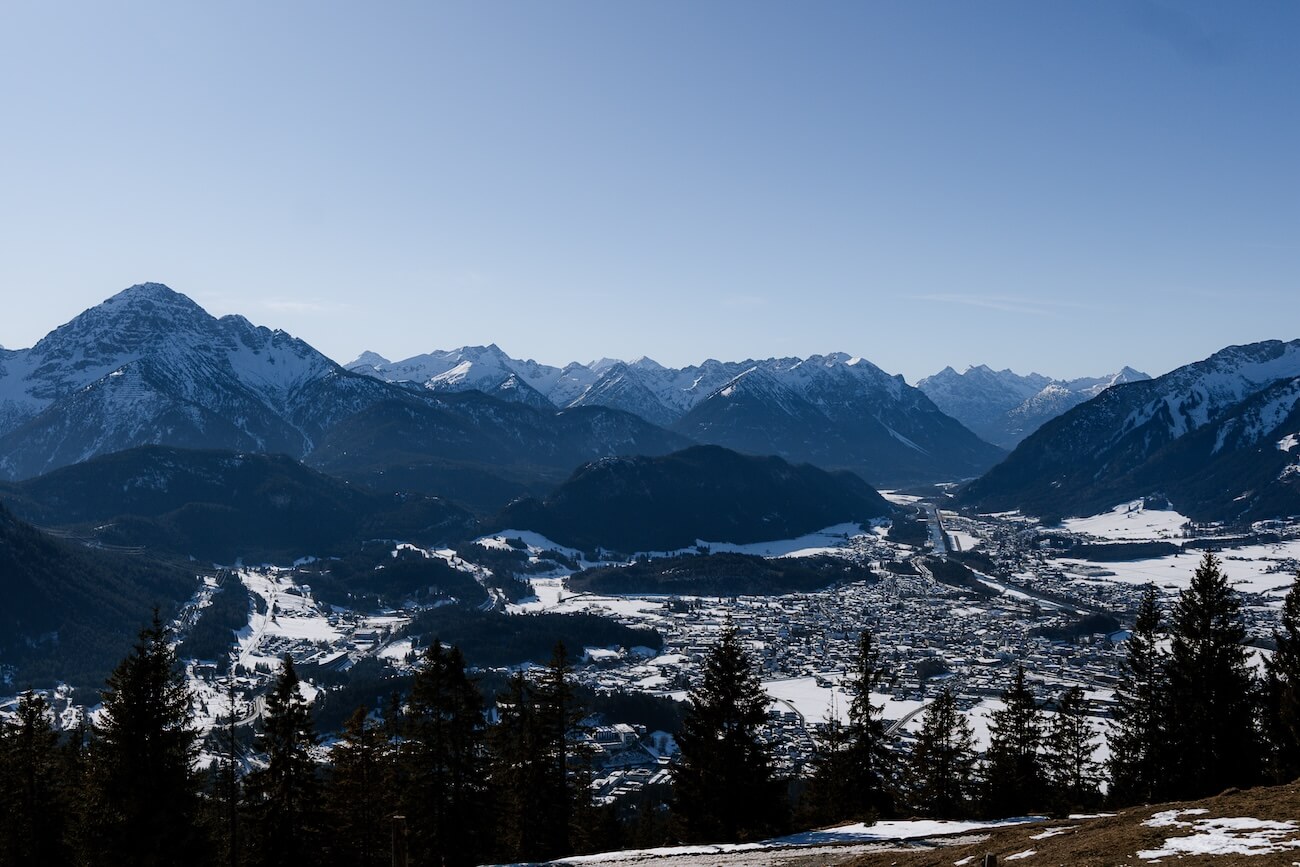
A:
(643, 386)
(1004, 407)
(837, 410)
(148, 366)
(149, 362)
(1205, 435)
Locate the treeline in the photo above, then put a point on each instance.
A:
(213, 633)
(491, 639)
(720, 575)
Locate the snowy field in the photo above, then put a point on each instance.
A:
(1252, 569)
(1130, 522)
(1262, 568)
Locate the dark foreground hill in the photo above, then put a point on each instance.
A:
(69, 613)
(219, 506)
(705, 492)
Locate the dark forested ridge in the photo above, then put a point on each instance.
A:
(64, 605)
(705, 492)
(219, 506)
(477, 448)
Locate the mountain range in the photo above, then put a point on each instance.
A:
(150, 367)
(1220, 438)
(837, 411)
(1004, 407)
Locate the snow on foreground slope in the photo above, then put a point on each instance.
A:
(1254, 827)
(881, 832)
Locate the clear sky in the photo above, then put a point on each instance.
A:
(1058, 186)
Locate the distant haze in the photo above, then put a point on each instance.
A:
(1064, 188)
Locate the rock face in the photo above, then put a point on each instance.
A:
(833, 410)
(1004, 407)
(1217, 437)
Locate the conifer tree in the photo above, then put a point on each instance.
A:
(34, 793)
(444, 763)
(142, 798)
(1282, 692)
(558, 716)
(1013, 765)
(1212, 733)
(854, 773)
(357, 794)
(723, 783)
(939, 769)
(1138, 737)
(519, 766)
(285, 797)
(225, 785)
(822, 799)
(1072, 774)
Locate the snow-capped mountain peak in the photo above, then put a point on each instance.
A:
(1003, 406)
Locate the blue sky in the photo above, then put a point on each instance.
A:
(1063, 187)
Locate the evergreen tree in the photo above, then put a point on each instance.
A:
(1282, 692)
(444, 763)
(1072, 775)
(1212, 733)
(939, 770)
(519, 767)
(1138, 737)
(558, 716)
(224, 784)
(34, 793)
(822, 799)
(723, 783)
(1013, 766)
(284, 797)
(357, 794)
(142, 798)
(853, 773)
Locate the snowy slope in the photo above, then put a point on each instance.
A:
(1205, 435)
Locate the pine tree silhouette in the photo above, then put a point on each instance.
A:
(939, 769)
(142, 798)
(1212, 735)
(1282, 691)
(285, 796)
(1139, 748)
(723, 784)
